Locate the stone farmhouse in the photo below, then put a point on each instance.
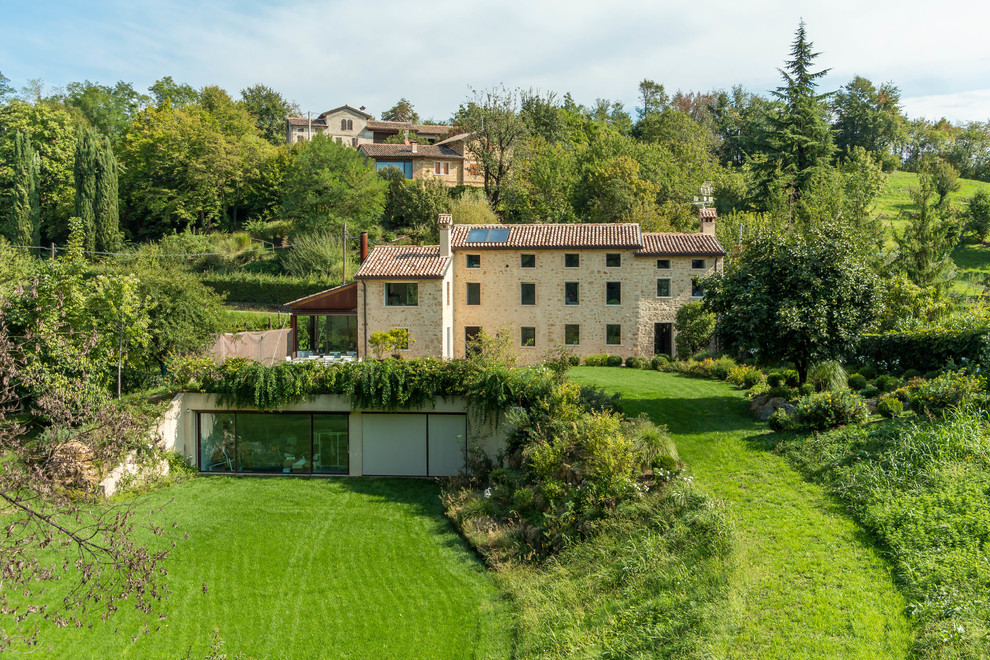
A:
(433, 155)
(593, 288)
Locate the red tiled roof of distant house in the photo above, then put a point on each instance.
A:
(405, 151)
(552, 236)
(674, 244)
(418, 262)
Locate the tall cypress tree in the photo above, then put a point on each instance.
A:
(22, 226)
(85, 177)
(107, 215)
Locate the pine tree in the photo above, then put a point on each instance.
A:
(799, 140)
(23, 221)
(925, 247)
(85, 178)
(107, 215)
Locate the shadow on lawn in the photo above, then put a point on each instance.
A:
(421, 496)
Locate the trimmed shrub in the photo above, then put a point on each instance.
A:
(776, 379)
(780, 421)
(782, 392)
(793, 377)
(261, 289)
(926, 349)
(574, 360)
(887, 383)
(613, 361)
(594, 360)
(869, 391)
(752, 378)
(806, 389)
(634, 362)
(659, 361)
(868, 372)
(721, 367)
(857, 381)
(890, 407)
(950, 390)
(827, 410)
(911, 374)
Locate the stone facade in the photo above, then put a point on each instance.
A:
(501, 276)
(591, 300)
(427, 322)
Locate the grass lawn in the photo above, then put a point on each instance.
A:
(808, 583)
(342, 568)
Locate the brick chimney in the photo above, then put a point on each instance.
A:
(446, 221)
(707, 217)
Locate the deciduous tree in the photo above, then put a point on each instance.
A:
(798, 296)
(492, 118)
(402, 111)
(269, 109)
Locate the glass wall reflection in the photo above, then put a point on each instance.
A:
(274, 443)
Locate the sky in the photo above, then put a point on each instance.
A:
(325, 54)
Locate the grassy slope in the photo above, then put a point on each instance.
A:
(807, 584)
(295, 568)
(971, 260)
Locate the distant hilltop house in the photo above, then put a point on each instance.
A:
(432, 154)
(592, 288)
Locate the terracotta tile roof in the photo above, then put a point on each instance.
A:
(405, 151)
(302, 121)
(579, 235)
(425, 129)
(708, 213)
(673, 244)
(417, 262)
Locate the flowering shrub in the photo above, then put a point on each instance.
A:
(948, 390)
(827, 410)
(737, 375)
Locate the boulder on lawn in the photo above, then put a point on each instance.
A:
(762, 408)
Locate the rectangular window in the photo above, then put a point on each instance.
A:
(473, 260)
(613, 334)
(663, 264)
(697, 291)
(572, 335)
(527, 261)
(572, 260)
(613, 260)
(441, 168)
(527, 293)
(448, 294)
(474, 293)
(273, 443)
(698, 264)
(528, 337)
(613, 293)
(571, 293)
(401, 294)
(217, 450)
(663, 287)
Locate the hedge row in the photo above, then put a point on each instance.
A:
(261, 288)
(925, 350)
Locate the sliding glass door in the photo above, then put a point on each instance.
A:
(273, 443)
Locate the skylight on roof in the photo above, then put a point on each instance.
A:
(488, 236)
